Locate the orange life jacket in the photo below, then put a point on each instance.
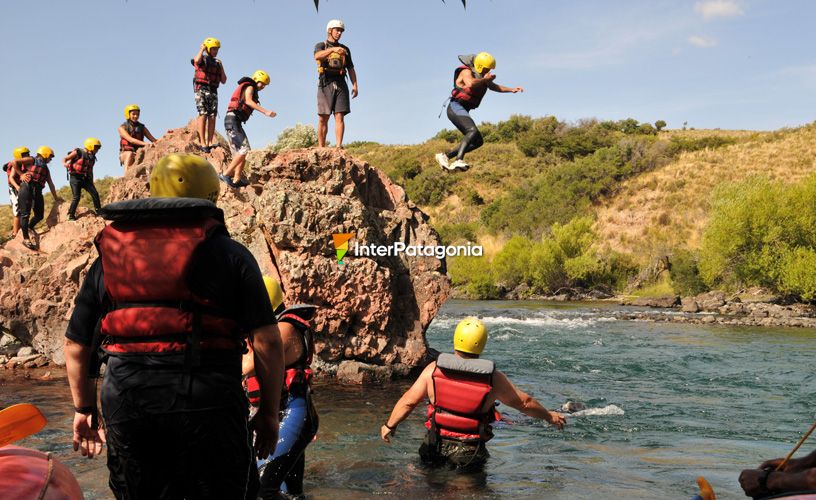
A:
(467, 96)
(207, 73)
(135, 130)
(39, 172)
(461, 387)
(83, 163)
(237, 103)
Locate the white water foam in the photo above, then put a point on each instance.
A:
(592, 412)
(540, 320)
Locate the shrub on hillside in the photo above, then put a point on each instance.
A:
(448, 135)
(430, 187)
(297, 137)
(457, 232)
(798, 274)
(474, 276)
(685, 274)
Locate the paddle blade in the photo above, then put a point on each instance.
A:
(706, 492)
(19, 421)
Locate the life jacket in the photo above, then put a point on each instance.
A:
(207, 73)
(39, 172)
(334, 64)
(135, 130)
(83, 163)
(146, 254)
(461, 387)
(237, 104)
(467, 96)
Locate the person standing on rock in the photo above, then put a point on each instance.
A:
(15, 177)
(333, 64)
(471, 81)
(31, 197)
(462, 390)
(299, 420)
(209, 74)
(131, 136)
(175, 299)
(242, 103)
(80, 163)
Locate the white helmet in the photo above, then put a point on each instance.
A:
(335, 23)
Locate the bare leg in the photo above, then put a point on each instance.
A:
(339, 128)
(322, 130)
(15, 227)
(210, 130)
(201, 126)
(127, 158)
(236, 167)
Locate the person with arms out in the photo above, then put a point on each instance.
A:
(15, 178)
(471, 81)
(798, 475)
(462, 390)
(132, 135)
(174, 298)
(209, 74)
(333, 63)
(31, 197)
(80, 163)
(242, 103)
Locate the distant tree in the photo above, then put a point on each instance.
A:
(646, 129)
(628, 126)
(660, 125)
(685, 124)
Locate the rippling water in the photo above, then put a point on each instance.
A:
(696, 400)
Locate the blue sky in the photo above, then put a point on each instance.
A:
(70, 67)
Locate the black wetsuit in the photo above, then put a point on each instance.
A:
(460, 117)
(79, 182)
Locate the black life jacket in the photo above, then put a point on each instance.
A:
(39, 172)
(146, 254)
(461, 387)
(207, 73)
(83, 163)
(237, 103)
(467, 96)
(135, 130)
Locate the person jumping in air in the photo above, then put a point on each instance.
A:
(333, 62)
(31, 197)
(132, 134)
(461, 389)
(209, 73)
(243, 102)
(80, 163)
(471, 82)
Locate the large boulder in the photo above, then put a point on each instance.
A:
(372, 309)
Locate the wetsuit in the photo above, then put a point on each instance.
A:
(462, 101)
(81, 177)
(167, 438)
(31, 197)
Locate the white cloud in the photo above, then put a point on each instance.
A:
(711, 9)
(702, 42)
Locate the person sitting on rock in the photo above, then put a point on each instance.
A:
(242, 103)
(80, 163)
(209, 73)
(15, 177)
(132, 134)
(798, 475)
(299, 421)
(31, 197)
(462, 390)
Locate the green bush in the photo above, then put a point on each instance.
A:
(457, 232)
(474, 276)
(430, 187)
(297, 137)
(685, 274)
(448, 135)
(798, 274)
(512, 264)
(660, 125)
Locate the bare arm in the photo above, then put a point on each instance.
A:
(353, 75)
(407, 403)
(124, 135)
(223, 74)
(249, 99)
(468, 80)
(52, 188)
(269, 371)
(88, 436)
(70, 157)
(507, 393)
(148, 135)
(500, 88)
(199, 55)
(322, 54)
(18, 164)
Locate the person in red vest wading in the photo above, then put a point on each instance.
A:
(172, 299)
(471, 81)
(462, 390)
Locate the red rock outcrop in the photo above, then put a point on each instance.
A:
(373, 310)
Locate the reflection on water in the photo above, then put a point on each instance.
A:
(690, 397)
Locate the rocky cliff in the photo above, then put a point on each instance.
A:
(373, 309)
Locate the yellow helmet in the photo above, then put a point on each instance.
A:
(261, 76)
(45, 152)
(129, 108)
(92, 143)
(21, 152)
(483, 61)
(184, 176)
(212, 43)
(470, 336)
(273, 288)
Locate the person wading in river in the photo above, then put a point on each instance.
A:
(462, 390)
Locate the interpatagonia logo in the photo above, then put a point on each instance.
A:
(341, 245)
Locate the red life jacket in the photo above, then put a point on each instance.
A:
(135, 130)
(145, 264)
(467, 96)
(39, 172)
(237, 103)
(207, 73)
(461, 387)
(83, 163)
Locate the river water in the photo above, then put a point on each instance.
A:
(694, 400)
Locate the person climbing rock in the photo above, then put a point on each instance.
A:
(30, 194)
(471, 82)
(132, 135)
(333, 65)
(15, 178)
(80, 163)
(243, 102)
(209, 74)
(172, 299)
(462, 389)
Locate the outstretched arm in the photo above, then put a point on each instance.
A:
(124, 135)
(407, 403)
(149, 136)
(495, 87)
(250, 101)
(507, 393)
